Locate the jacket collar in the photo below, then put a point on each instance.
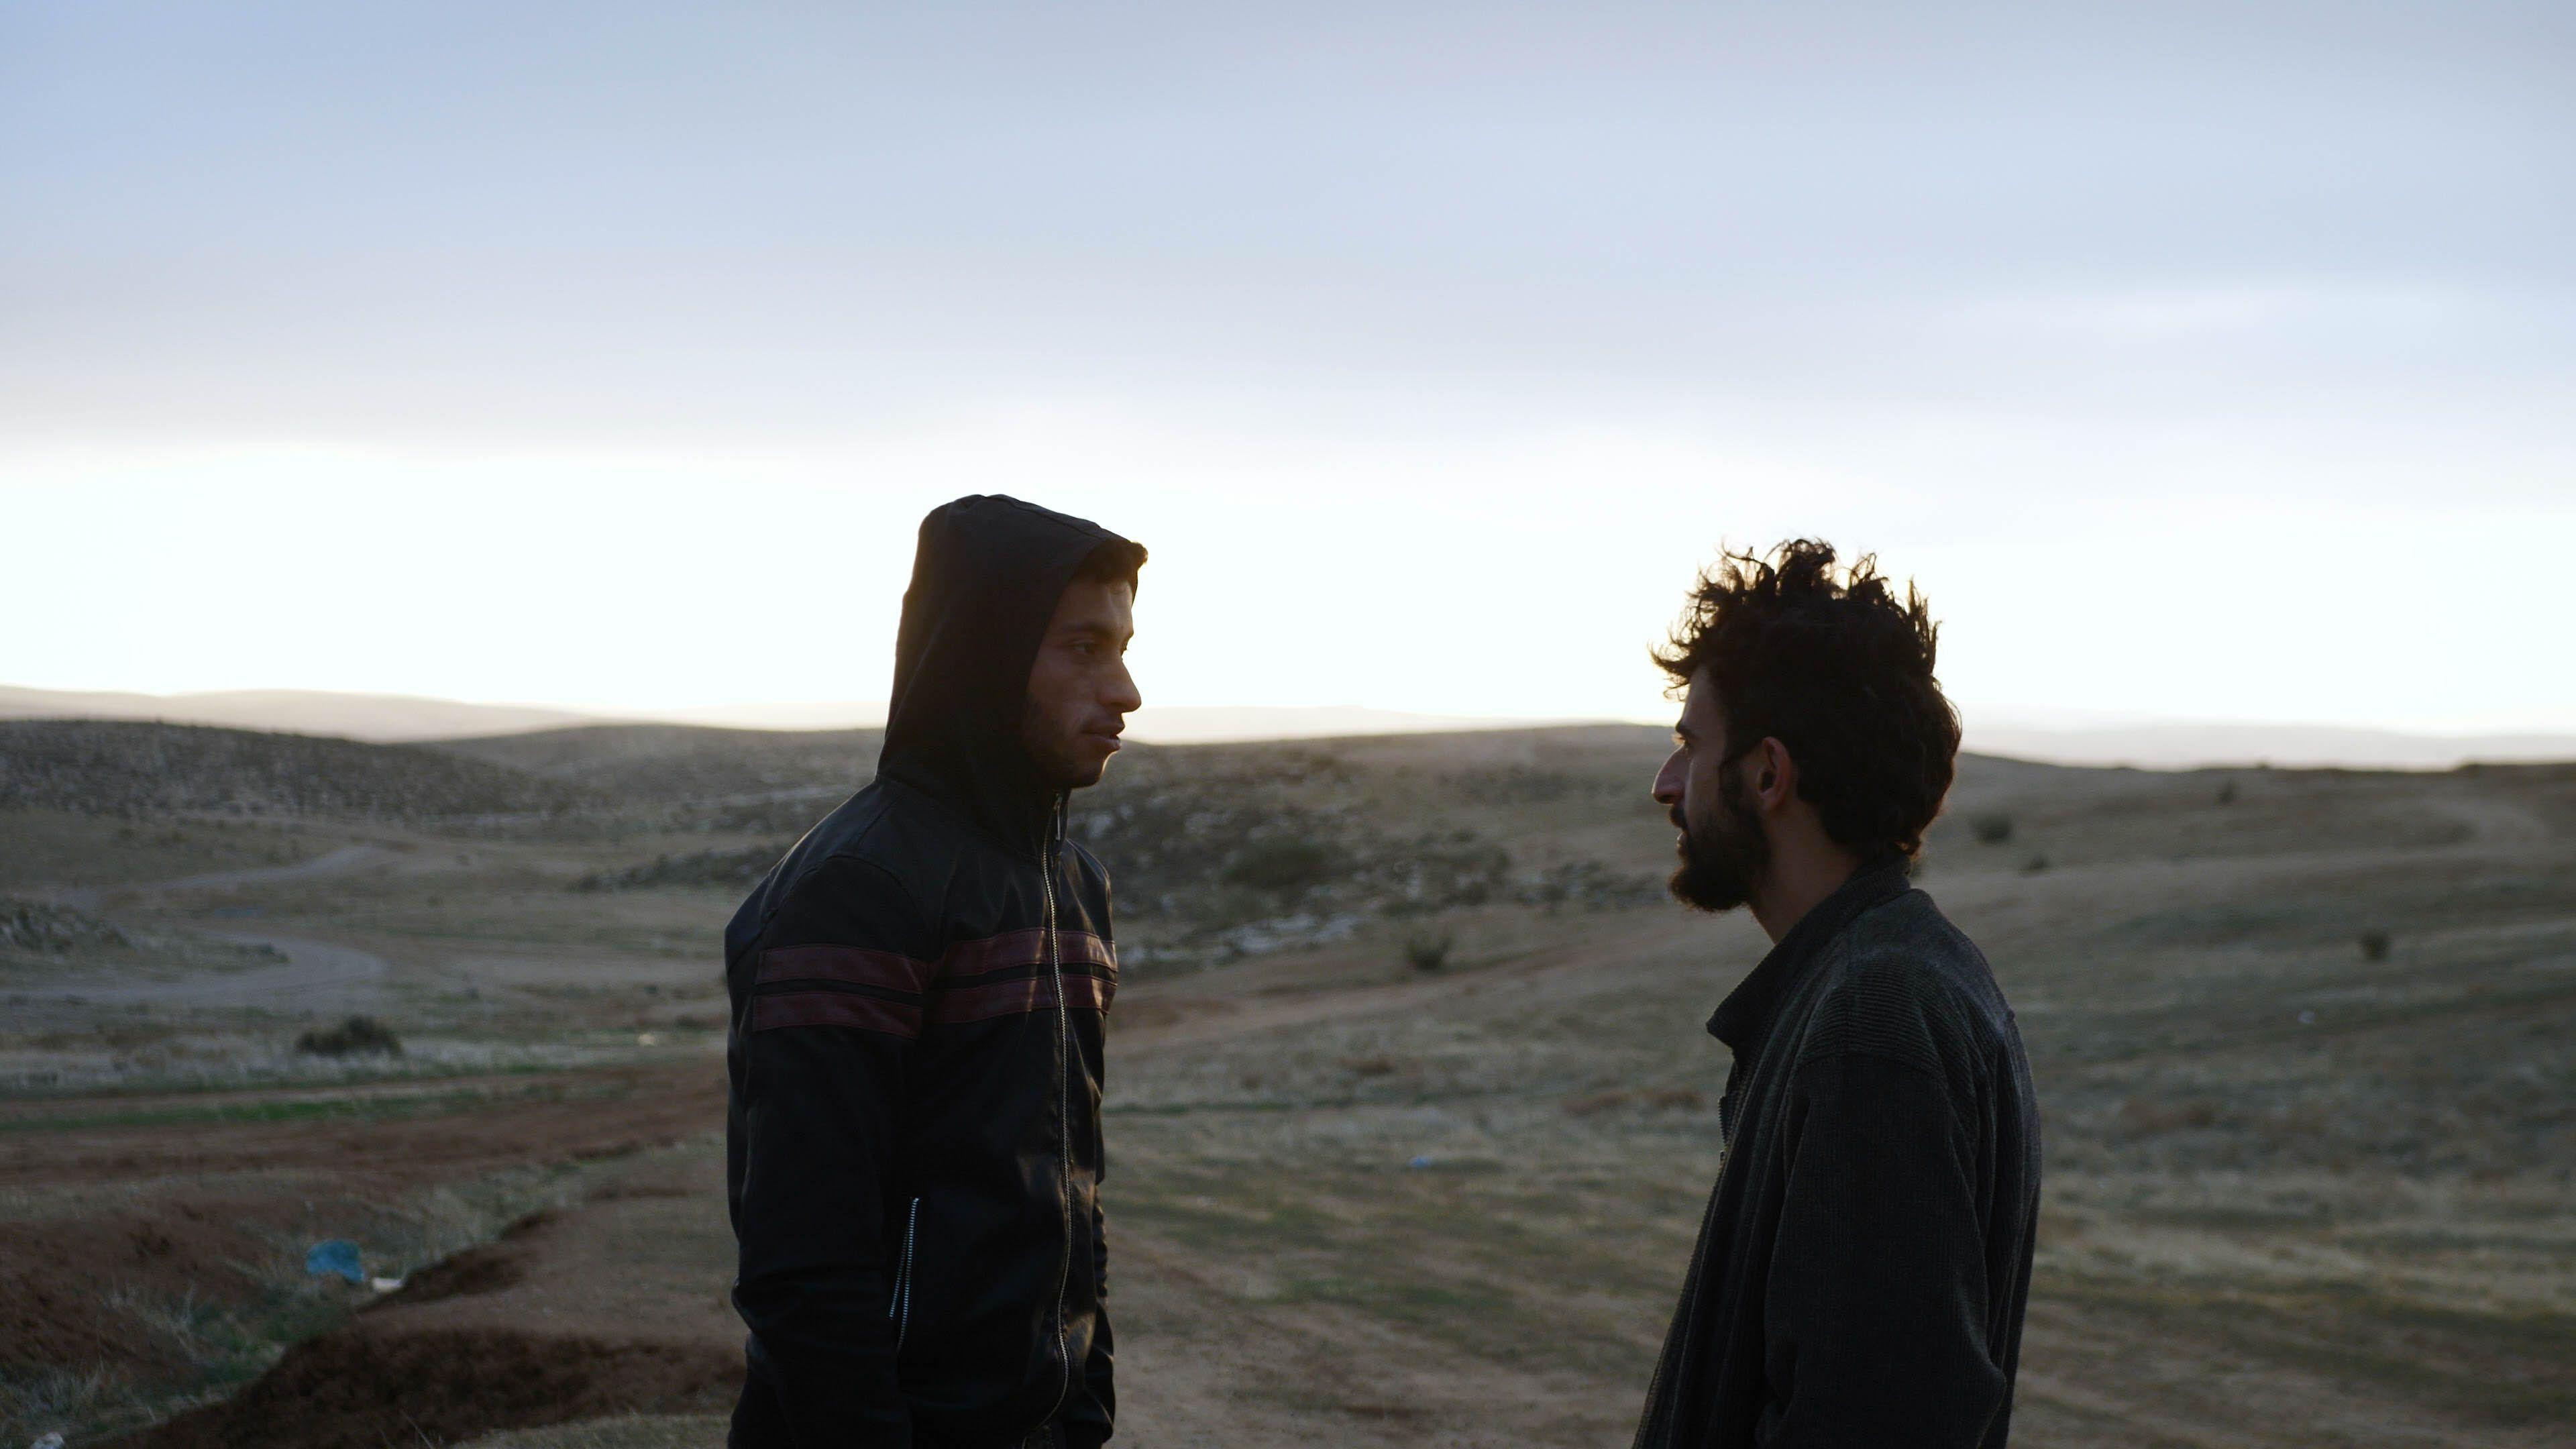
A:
(1744, 1018)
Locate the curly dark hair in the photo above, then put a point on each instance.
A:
(1840, 672)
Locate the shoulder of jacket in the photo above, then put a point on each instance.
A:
(1088, 863)
(872, 848)
(1898, 982)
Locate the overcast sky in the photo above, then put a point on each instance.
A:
(2209, 361)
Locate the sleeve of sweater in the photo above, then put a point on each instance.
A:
(1876, 1303)
(831, 1019)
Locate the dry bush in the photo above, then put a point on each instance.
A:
(1428, 953)
(354, 1036)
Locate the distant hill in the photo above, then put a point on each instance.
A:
(1177, 724)
(667, 764)
(829, 729)
(2182, 746)
(129, 768)
(381, 717)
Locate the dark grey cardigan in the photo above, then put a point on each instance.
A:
(1865, 1259)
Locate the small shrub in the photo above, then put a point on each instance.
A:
(2226, 792)
(2374, 945)
(1992, 829)
(2034, 864)
(357, 1034)
(1428, 953)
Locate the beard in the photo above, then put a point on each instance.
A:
(1723, 863)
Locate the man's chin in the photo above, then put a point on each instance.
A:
(1082, 769)
(1694, 889)
(1704, 885)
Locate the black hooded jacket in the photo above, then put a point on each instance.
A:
(918, 992)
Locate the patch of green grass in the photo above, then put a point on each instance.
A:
(410, 1069)
(362, 1108)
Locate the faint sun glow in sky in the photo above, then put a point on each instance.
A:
(2199, 361)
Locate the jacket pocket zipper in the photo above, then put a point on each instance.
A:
(899, 1306)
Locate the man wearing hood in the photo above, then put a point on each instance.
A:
(918, 992)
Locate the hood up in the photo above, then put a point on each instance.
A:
(985, 580)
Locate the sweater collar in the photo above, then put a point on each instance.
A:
(1744, 1018)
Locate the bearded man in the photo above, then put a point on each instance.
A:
(1864, 1262)
(919, 990)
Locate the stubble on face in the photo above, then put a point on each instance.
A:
(1079, 691)
(1723, 860)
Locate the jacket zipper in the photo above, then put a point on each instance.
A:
(1048, 855)
(899, 1307)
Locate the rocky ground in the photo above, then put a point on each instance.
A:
(2304, 1041)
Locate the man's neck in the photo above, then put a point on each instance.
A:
(1796, 883)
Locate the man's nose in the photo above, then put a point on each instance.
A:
(1123, 695)
(1668, 781)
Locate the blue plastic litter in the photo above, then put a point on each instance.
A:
(1419, 1162)
(335, 1255)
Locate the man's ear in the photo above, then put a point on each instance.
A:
(1775, 774)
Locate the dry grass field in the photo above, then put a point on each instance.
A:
(1411, 1118)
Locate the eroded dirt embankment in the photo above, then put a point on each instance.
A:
(604, 1305)
(374, 1383)
(162, 1251)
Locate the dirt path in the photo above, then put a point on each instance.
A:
(316, 974)
(2492, 821)
(345, 860)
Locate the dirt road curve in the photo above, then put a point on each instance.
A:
(315, 974)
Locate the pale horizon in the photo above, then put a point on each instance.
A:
(2052, 736)
(2198, 364)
